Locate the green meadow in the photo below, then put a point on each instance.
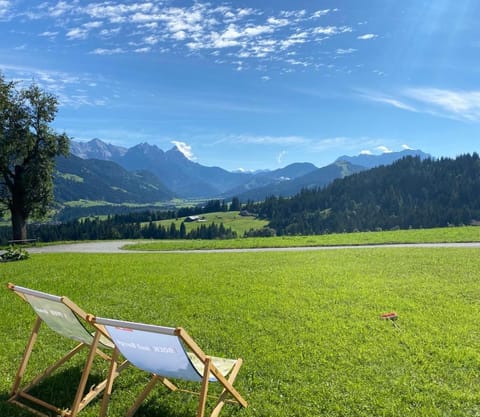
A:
(434, 235)
(230, 219)
(307, 325)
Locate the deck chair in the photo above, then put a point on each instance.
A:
(168, 352)
(66, 319)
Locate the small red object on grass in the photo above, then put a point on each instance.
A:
(389, 316)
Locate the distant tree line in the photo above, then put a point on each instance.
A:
(131, 226)
(411, 193)
(96, 229)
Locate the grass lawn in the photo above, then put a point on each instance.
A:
(435, 235)
(307, 325)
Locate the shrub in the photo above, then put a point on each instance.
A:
(14, 253)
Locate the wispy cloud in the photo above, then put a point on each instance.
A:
(268, 140)
(367, 36)
(71, 90)
(458, 104)
(386, 99)
(48, 34)
(113, 51)
(5, 7)
(354, 145)
(77, 33)
(341, 51)
(454, 104)
(280, 156)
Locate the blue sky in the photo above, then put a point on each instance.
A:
(255, 84)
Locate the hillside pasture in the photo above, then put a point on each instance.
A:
(230, 219)
(307, 325)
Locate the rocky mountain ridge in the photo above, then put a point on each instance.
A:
(175, 175)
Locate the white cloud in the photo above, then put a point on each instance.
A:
(295, 39)
(92, 25)
(454, 104)
(458, 104)
(257, 30)
(77, 33)
(142, 50)
(185, 149)
(406, 147)
(151, 40)
(341, 51)
(367, 36)
(280, 156)
(332, 30)
(103, 51)
(320, 13)
(268, 140)
(60, 9)
(108, 33)
(180, 35)
(277, 22)
(48, 34)
(71, 90)
(384, 149)
(254, 35)
(353, 145)
(5, 6)
(381, 98)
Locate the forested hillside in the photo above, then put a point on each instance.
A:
(96, 180)
(409, 193)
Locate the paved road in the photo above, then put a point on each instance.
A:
(116, 247)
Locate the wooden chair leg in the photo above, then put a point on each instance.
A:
(108, 389)
(26, 356)
(85, 374)
(224, 394)
(142, 396)
(204, 388)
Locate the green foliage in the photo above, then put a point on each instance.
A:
(410, 193)
(307, 325)
(28, 147)
(14, 253)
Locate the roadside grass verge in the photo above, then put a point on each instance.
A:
(307, 325)
(436, 235)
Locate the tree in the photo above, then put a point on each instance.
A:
(28, 147)
(235, 205)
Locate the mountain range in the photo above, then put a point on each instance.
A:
(146, 174)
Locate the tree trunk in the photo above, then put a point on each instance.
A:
(19, 225)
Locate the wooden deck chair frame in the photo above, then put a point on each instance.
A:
(52, 310)
(195, 358)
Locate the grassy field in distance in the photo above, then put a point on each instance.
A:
(230, 219)
(436, 235)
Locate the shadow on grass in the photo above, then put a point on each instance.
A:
(58, 389)
(164, 403)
